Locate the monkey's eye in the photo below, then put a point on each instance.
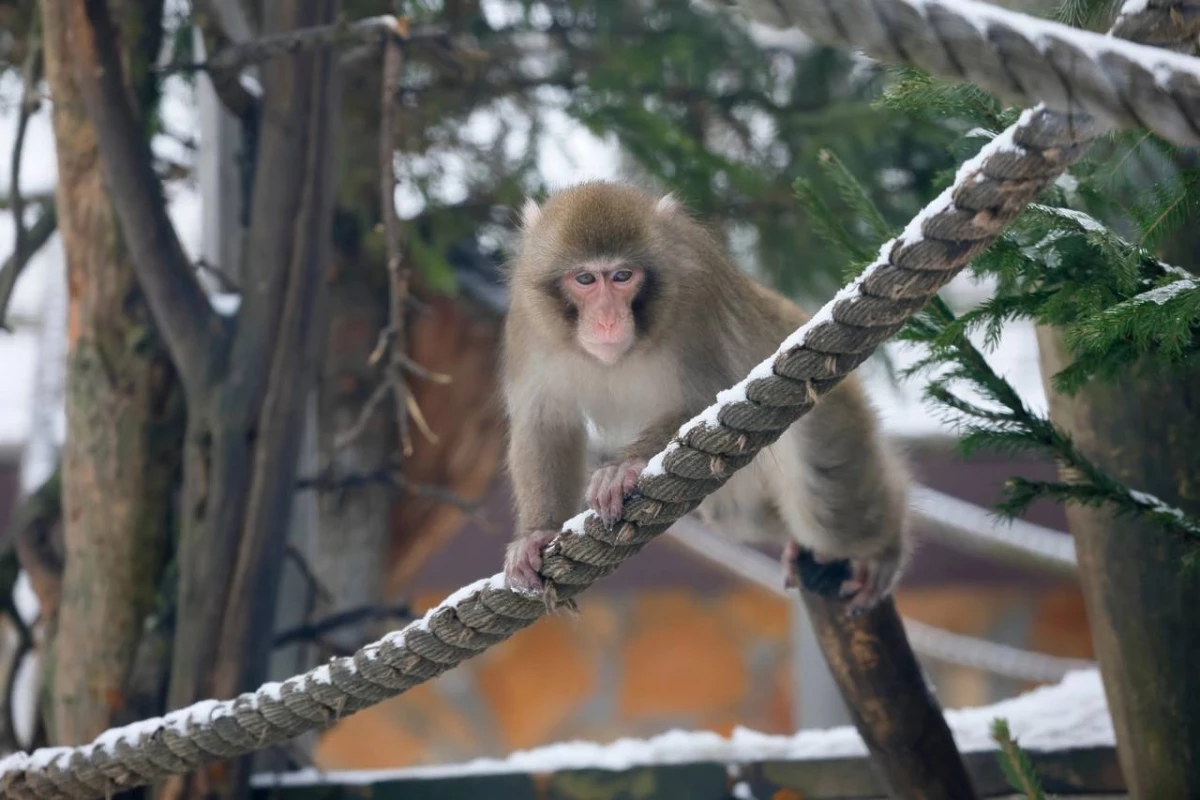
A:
(622, 275)
(585, 279)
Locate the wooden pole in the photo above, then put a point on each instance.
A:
(1141, 594)
(886, 693)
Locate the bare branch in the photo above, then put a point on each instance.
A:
(10, 568)
(30, 74)
(224, 282)
(319, 589)
(34, 198)
(356, 430)
(31, 533)
(221, 25)
(8, 736)
(372, 30)
(227, 16)
(188, 323)
(26, 242)
(326, 481)
(399, 271)
(393, 339)
(35, 238)
(351, 616)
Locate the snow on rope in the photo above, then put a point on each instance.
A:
(1023, 59)
(988, 193)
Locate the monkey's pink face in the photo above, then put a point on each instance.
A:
(604, 299)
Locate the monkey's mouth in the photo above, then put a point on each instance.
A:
(606, 352)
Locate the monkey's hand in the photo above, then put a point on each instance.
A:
(523, 560)
(609, 486)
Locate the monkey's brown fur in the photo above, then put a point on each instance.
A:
(831, 484)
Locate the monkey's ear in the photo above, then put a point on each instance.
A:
(530, 212)
(667, 204)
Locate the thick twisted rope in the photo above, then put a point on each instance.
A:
(1169, 24)
(1022, 59)
(989, 192)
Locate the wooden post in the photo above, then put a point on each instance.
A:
(889, 700)
(1140, 591)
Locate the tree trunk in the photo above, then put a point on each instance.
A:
(353, 525)
(124, 409)
(1142, 599)
(246, 378)
(245, 427)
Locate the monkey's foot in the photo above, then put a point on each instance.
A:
(871, 579)
(523, 560)
(863, 582)
(609, 486)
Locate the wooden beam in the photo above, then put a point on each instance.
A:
(886, 693)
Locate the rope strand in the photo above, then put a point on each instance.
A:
(1022, 59)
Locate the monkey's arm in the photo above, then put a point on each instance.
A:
(546, 462)
(857, 494)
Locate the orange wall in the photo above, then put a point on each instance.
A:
(640, 663)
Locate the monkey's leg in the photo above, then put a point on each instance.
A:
(827, 577)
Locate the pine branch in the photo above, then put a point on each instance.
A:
(1163, 321)
(857, 199)
(1015, 763)
(828, 227)
(915, 92)
(857, 246)
(1013, 427)
(372, 30)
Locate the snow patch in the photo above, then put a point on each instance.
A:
(1070, 714)
(225, 303)
(577, 525)
(1132, 7)
(130, 734)
(195, 715)
(1168, 292)
(491, 582)
(1157, 506)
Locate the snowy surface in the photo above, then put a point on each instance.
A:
(1072, 713)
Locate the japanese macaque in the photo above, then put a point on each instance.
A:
(627, 317)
